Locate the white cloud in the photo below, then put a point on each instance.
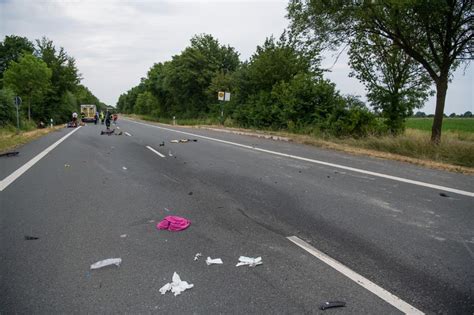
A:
(115, 42)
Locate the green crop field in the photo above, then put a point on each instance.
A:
(449, 124)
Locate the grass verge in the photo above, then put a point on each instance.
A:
(10, 140)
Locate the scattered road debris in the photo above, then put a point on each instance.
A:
(31, 238)
(215, 261)
(177, 286)
(173, 223)
(107, 262)
(9, 154)
(127, 134)
(162, 144)
(190, 193)
(124, 168)
(331, 304)
(248, 261)
(443, 195)
(169, 153)
(151, 221)
(197, 256)
(107, 132)
(67, 165)
(183, 140)
(166, 209)
(123, 235)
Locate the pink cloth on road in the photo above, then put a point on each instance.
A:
(173, 223)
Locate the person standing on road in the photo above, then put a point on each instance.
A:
(74, 119)
(96, 117)
(102, 117)
(108, 117)
(115, 116)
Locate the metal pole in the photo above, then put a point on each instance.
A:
(17, 120)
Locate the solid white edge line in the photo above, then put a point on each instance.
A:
(357, 278)
(128, 134)
(357, 170)
(153, 150)
(13, 176)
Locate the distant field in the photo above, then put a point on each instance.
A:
(451, 124)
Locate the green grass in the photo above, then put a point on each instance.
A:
(449, 124)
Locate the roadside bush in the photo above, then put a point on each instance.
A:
(352, 120)
(7, 107)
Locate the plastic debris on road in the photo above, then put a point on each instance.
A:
(215, 261)
(248, 261)
(177, 286)
(331, 304)
(173, 223)
(124, 168)
(31, 238)
(174, 141)
(197, 256)
(123, 235)
(162, 144)
(67, 165)
(107, 262)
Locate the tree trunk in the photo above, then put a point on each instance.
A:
(441, 89)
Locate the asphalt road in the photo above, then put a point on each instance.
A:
(244, 196)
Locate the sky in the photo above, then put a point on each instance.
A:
(115, 42)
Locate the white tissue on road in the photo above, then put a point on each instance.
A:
(248, 261)
(123, 235)
(177, 286)
(107, 262)
(197, 256)
(216, 261)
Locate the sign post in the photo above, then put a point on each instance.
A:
(223, 96)
(17, 105)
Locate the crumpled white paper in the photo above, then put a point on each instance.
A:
(215, 261)
(249, 261)
(107, 262)
(197, 256)
(177, 286)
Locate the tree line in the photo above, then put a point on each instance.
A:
(402, 51)
(46, 79)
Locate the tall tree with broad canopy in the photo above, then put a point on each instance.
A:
(436, 33)
(11, 48)
(396, 84)
(30, 78)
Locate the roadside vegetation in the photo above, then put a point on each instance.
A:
(47, 81)
(403, 53)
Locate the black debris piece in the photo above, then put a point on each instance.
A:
(443, 195)
(30, 238)
(107, 132)
(190, 193)
(162, 144)
(8, 154)
(329, 176)
(331, 304)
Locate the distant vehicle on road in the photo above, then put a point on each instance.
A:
(87, 112)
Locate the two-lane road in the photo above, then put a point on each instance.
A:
(407, 232)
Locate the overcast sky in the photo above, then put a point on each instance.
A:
(115, 42)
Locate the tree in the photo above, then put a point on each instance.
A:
(436, 33)
(467, 114)
(11, 49)
(396, 84)
(453, 115)
(30, 78)
(420, 114)
(65, 78)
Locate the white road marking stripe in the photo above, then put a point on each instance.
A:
(128, 134)
(13, 176)
(357, 170)
(153, 150)
(357, 278)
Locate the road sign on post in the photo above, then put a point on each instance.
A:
(220, 95)
(17, 105)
